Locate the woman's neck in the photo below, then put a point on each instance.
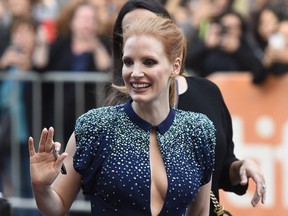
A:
(80, 45)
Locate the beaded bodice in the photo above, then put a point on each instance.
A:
(113, 158)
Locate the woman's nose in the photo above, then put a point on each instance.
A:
(137, 71)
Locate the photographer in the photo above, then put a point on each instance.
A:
(225, 48)
(275, 58)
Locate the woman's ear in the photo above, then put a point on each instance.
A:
(176, 67)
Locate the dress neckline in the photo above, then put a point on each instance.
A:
(162, 127)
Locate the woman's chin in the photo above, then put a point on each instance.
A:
(139, 99)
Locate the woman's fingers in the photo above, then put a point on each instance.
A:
(46, 140)
(256, 199)
(31, 146)
(49, 140)
(260, 192)
(41, 147)
(259, 195)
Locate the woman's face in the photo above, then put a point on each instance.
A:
(268, 24)
(19, 7)
(220, 6)
(136, 15)
(146, 70)
(24, 37)
(83, 23)
(232, 24)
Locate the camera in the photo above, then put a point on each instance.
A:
(16, 48)
(223, 29)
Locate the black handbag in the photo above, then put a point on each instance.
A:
(218, 208)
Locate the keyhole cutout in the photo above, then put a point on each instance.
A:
(159, 182)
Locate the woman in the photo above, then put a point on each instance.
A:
(134, 158)
(77, 48)
(270, 34)
(197, 95)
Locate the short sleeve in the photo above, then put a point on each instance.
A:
(93, 143)
(207, 149)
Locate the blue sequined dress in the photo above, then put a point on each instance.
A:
(112, 157)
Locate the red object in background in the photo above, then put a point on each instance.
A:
(50, 28)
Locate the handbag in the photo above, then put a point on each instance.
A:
(218, 208)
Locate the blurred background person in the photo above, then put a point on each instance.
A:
(107, 12)
(270, 31)
(275, 58)
(201, 14)
(9, 10)
(77, 47)
(225, 48)
(45, 13)
(177, 9)
(16, 105)
(265, 24)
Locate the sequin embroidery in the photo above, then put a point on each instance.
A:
(112, 156)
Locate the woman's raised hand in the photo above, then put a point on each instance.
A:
(44, 167)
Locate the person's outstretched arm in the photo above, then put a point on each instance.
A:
(54, 192)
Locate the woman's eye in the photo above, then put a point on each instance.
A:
(127, 62)
(150, 62)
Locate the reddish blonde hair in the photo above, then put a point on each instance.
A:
(166, 31)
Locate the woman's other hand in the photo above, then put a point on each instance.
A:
(241, 171)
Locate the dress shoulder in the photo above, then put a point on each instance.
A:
(205, 132)
(93, 134)
(95, 117)
(196, 120)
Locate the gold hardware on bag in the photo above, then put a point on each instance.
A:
(218, 208)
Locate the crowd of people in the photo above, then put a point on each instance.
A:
(222, 39)
(214, 29)
(85, 35)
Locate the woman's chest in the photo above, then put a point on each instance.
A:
(126, 172)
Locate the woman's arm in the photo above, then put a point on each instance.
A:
(102, 57)
(201, 204)
(54, 193)
(40, 57)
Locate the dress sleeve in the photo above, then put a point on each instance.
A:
(92, 147)
(207, 148)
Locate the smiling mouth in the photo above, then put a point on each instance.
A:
(140, 86)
